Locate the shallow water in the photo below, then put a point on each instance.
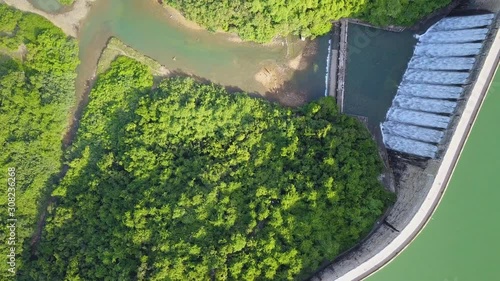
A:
(460, 242)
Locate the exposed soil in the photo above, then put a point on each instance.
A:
(297, 63)
(272, 76)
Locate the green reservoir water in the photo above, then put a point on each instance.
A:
(376, 63)
(461, 242)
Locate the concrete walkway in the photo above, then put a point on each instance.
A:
(450, 159)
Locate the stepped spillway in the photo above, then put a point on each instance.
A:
(418, 118)
(441, 63)
(412, 132)
(466, 22)
(427, 97)
(448, 50)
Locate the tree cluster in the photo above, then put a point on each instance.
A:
(262, 20)
(183, 181)
(37, 72)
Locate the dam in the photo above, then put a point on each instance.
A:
(434, 84)
(421, 181)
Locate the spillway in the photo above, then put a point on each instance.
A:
(418, 118)
(435, 77)
(466, 22)
(448, 50)
(441, 63)
(432, 85)
(410, 146)
(454, 36)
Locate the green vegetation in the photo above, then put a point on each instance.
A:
(185, 181)
(262, 20)
(115, 48)
(37, 72)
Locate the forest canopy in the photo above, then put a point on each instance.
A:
(262, 20)
(183, 181)
(37, 72)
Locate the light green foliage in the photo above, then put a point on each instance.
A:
(187, 182)
(261, 20)
(36, 91)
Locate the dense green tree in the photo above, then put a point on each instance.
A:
(187, 182)
(262, 20)
(37, 72)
